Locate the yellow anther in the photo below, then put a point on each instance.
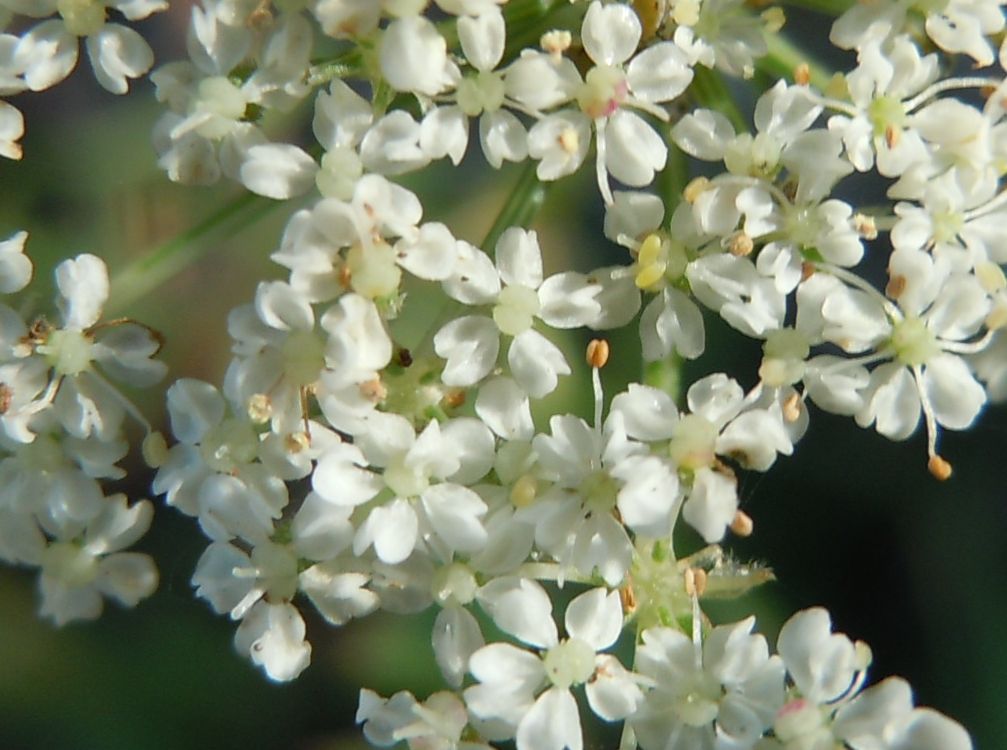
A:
(649, 275)
(774, 18)
(597, 353)
(802, 74)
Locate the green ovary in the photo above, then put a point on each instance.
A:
(82, 17)
(885, 112)
(914, 344)
(69, 351)
(516, 307)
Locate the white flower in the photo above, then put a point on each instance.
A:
(727, 688)
(511, 680)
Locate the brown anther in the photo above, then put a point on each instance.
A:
(454, 398)
(261, 18)
(742, 525)
(373, 390)
(865, 226)
(695, 581)
(6, 396)
(740, 245)
(939, 468)
(39, 331)
(802, 74)
(628, 598)
(343, 276)
(597, 353)
(892, 136)
(807, 270)
(696, 187)
(987, 91)
(896, 286)
(792, 407)
(404, 357)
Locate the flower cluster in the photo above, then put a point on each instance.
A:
(349, 463)
(62, 431)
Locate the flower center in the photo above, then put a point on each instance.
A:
(603, 91)
(913, 342)
(71, 564)
(752, 157)
(373, 273)
(886, 113)
(693, 442)
(515, 309)
(569, 663)
(483, 92)
(404, 480)
(697, 704)
(68, 351)
(230, 444)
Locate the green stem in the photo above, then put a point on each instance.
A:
(665, 375)
(149, 272)
(832, 8)
(521, 207)
(710, 91)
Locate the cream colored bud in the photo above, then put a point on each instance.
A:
(597, 353)
(154, 449)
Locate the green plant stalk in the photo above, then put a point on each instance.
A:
(709, 90)
(155, 268)
(832, 8)
(520, 208)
